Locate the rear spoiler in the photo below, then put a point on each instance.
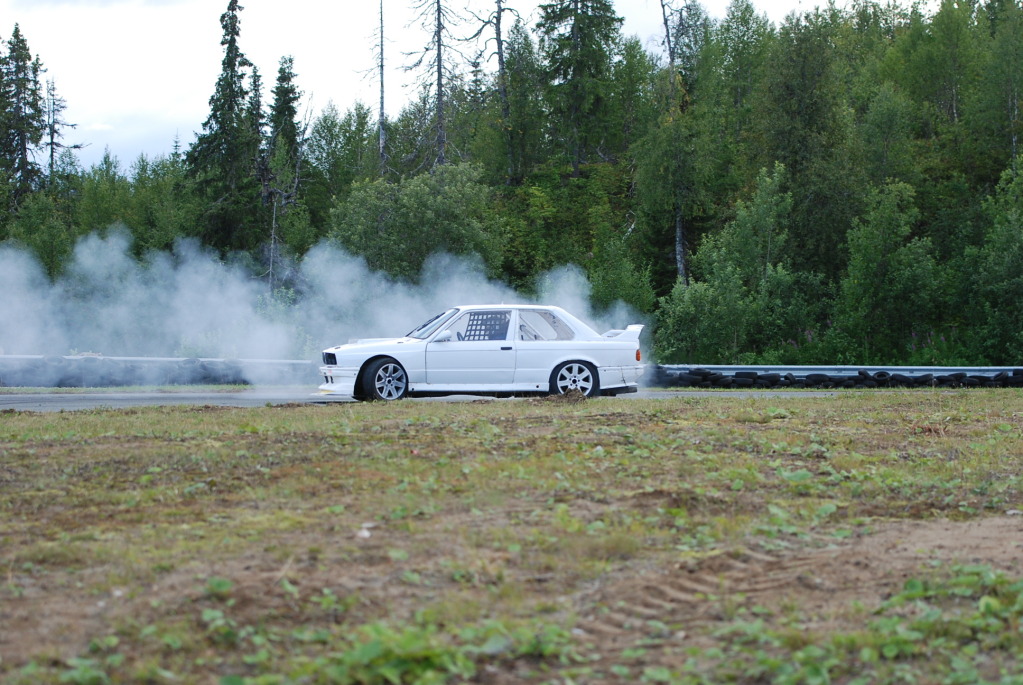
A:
(630, 333)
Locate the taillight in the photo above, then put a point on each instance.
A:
(639, 356)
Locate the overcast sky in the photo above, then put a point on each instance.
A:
(138, 73)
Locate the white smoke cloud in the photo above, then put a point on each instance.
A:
(189, 303)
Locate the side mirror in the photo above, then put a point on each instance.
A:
(444, 336)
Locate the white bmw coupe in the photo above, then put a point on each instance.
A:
(488, 350)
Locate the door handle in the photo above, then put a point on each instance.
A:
(506, 348)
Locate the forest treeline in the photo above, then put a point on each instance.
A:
(841, 188)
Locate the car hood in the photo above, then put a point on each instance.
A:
(360, 344)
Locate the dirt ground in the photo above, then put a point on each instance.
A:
(637, 602)
(824, 582)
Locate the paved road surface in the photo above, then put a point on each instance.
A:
(264, 396)
(255, 397)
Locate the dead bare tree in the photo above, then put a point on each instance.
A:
(382, 118)
(55, 106)
(493, 20)
(280, 174)
(437, 59)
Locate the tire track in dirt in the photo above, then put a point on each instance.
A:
(682, 606)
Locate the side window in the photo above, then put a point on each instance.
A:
(485, 325)
(535, 324)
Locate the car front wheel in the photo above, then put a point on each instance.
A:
(575, 376)
(384, 379)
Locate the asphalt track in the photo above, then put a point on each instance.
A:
(270, 396)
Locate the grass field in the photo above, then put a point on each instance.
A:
(863, 537)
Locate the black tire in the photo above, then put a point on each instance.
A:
(384, 379)
(579, 376)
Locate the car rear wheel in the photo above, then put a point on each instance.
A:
(575, 376)
(384, 379)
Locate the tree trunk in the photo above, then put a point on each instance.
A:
(502, 89)
(442, 140)
(381, 121)
(680, 246)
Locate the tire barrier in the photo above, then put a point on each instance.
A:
(93, 371)
(104, 372)
(672, 376)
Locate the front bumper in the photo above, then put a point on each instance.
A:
(338, 380)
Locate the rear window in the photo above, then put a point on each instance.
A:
(539, 324)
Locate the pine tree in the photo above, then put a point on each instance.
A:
(280, 170)
(526, 114)
(284, 125)
(22, 118)
(578, 38)
(222, 160)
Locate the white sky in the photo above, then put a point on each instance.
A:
(137, 73)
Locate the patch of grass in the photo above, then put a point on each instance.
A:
(543, 541)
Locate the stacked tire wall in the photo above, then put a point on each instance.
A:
(746, 378)
(100, 372)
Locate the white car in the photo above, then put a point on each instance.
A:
(488, 349)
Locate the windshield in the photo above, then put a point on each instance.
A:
(428, 328)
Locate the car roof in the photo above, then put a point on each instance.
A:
(575, 322)
(509, 306)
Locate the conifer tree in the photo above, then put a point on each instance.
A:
(284, 126)
(22, 118)
(222, 159)
(578, 39)
(280, 171)
(525, 105)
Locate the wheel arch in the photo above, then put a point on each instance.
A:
(593, 366)
(362, 371)
(576, 358)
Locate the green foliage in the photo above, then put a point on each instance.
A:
(381, 654)
(892, 238)
(886, 296)
(221, 161)
(669, 191)
(338, 152)
(993, 114)
(22, 119)
(577, 41)
(996, 275)
(396, 226)
(558, 219)
(525, 120)
(104, 196)
(612, 273)
(885, 136)
(745, 299)
(161, 207)
(284, 127)
(631, 109)
(44, 230)
(805, 126)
